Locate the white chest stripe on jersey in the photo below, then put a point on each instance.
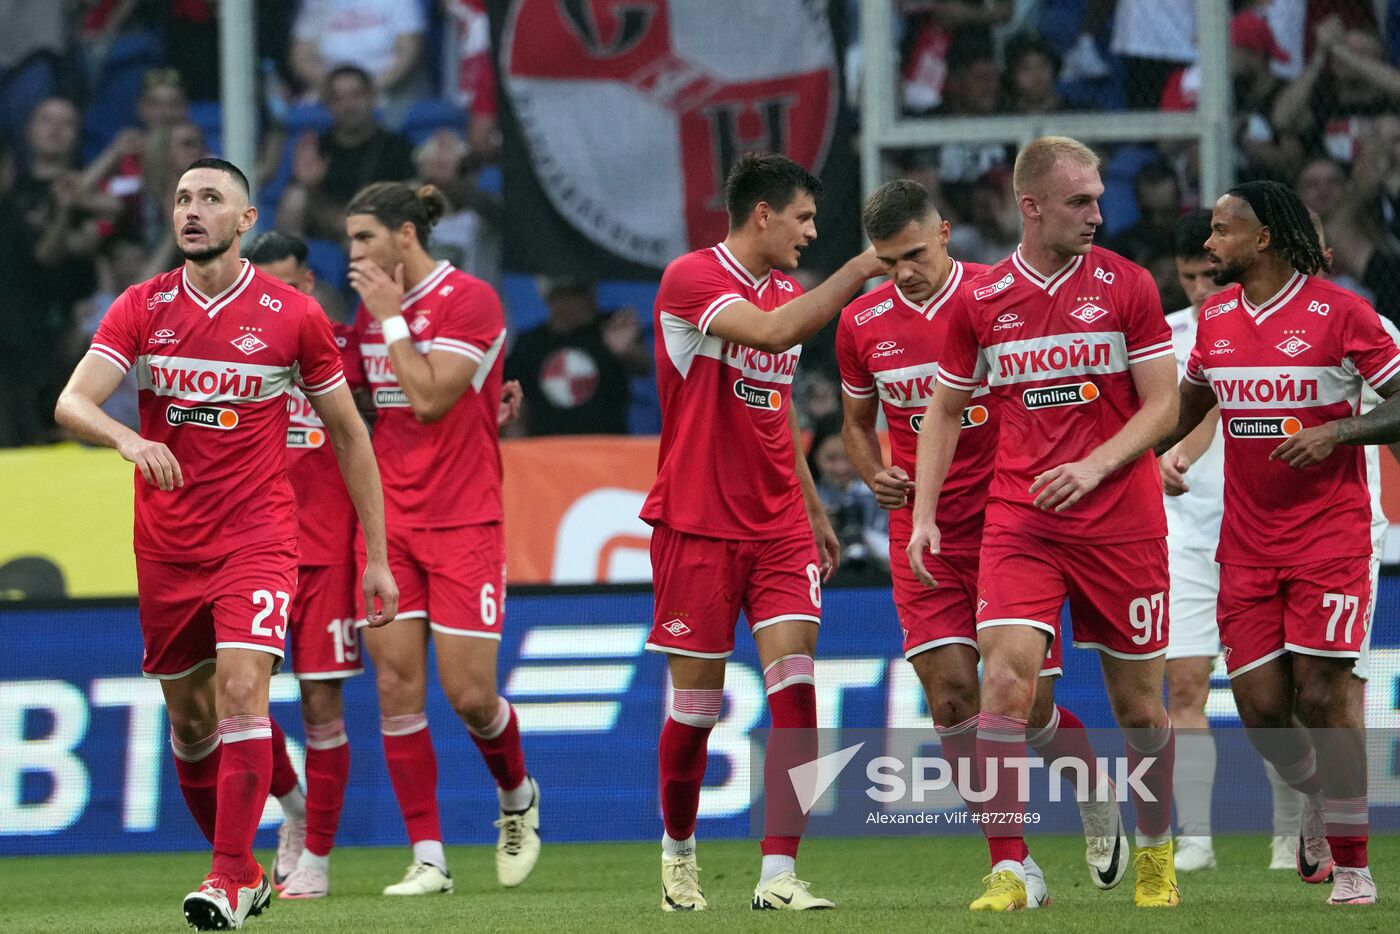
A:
(1272, 387)
(375, 359)
(1057, 355)
(196, 380)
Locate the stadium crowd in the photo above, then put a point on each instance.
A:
(103, 102)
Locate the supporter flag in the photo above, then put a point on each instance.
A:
(620, 120)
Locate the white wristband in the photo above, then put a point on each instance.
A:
(394, 329)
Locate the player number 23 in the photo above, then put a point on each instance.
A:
(1142, 612)
(1342, 604)
(266, 600)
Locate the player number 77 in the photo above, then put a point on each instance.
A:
(1341, 602)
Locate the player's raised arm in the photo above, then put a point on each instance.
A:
(784, 328)
(355, 454)
(938, 439)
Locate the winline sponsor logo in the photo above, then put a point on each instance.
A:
(1280, 427)
(757, 398)
(390, 398)
(207, 416)
(974, 416)
(1046, 397)
(305, 437)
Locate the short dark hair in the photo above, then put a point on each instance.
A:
(1154, 173)
(275, 246)
(1027, 43)
(1191, 233)
(765, 176)
(892, 206)
(394, 203)
(223, 165)
(1292, 234)
(354, 71)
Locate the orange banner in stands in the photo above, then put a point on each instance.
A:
(571, 509)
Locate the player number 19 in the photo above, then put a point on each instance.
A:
(1141, 613)
(1341, 603)
(346, 640)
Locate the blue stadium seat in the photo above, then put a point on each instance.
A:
(209, 117)
(113, 103)
(1118, 204)
(330, 263)
(525, 308)
(617, 293)
(491, 180)
(426, 117)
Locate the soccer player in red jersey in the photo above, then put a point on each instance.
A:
(734, 509)
(217, 345)
(322, 625)
(888, 344)
(1285, 354)
(431, 339)
(1079, 359)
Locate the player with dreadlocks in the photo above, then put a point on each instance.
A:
(1285, 354)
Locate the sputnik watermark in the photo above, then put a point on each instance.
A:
(893, 780)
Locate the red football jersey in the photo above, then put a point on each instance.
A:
(726, 462)
(1058, 351)
(212, 373)
(325, 513)
(889, 346)
(448, 472)
(1295, 361)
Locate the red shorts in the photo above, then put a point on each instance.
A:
(945, 615)
(325, 637)
(1322, 608)
(455, 577)
(1117, 592)
(190, 610)
(702, 583)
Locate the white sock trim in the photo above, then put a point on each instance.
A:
(497, 726)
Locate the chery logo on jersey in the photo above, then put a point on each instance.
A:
(305, 437)
(756, 398)
(1264, 427)
(1221, 346)
(160, 297)
(1219, 310)
(1294, 346)
(1088, 312)
(248, 343)
(887, 349)
(871, 313)
(163, 336)
(206, 416)
(987, 291)
(1046, 397)
(1008, 322)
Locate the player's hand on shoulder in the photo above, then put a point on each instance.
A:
(378, 582)
(1173, 467)
(892, 488)
(155, 461)
(923, 540)
(1308, 447)
(381, 293)
(1061, 487)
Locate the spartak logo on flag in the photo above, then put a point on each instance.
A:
(634, 110)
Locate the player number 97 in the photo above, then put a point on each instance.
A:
(1141, 613)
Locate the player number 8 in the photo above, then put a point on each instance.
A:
(1141, 612)
(814, 577)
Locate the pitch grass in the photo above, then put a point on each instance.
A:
(884, 884)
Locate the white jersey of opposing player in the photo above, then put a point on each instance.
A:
(1193, 519)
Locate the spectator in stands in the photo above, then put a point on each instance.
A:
(1032, 68)
(1344, 84)
(1154, 37)
(384, 37)
(856, 517)
(1157, 191)
(1322, 184)
(472, 81)
(973, 89)
(931, 28)
(33, 40)
(1359, 217)
(468, 236)
(993, 228)
(121, 263)
(329, 169)
(575, 368)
